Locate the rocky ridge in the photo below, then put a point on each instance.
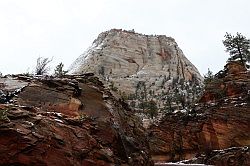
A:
(137, 65)
(67, 121)
(220, 120)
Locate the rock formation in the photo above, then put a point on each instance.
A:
(221, 119)
(68, 121)
(77, 120)
(236, 156)
(134, 63)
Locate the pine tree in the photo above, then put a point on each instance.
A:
(59, 72)
(208, 77)
(152, 108)
(238, 47)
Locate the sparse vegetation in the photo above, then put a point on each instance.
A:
(3, 114)
(123, 95)
(238, 47)
(101, 71)
(82, 117)
(59, 72)
(42, 66)
(179, 94)
(112, 86)
(208, 77)
(150, 108)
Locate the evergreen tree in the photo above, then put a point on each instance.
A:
(208, 77)
(169, 103)
(102, 71)
(238, 47)
(152, 108)
(59, 72)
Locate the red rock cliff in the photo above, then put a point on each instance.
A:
(68, 121)
(221, 119)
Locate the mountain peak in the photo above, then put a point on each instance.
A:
(133, 32)
(135, 52)
(127, 60)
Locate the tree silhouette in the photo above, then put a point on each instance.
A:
(238, 47)
(42, 66)
(59, 72)
(208, 77)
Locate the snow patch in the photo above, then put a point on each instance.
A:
(180, 164)
(58, 120)
(182, 111)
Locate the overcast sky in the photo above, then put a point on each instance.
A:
(63, 29)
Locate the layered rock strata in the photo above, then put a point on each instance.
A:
(130, 62)
(67, 121)
(221, 119)
(236, 156)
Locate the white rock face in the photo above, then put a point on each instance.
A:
(125, 58)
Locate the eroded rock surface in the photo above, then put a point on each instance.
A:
(235, 156)
(134, 63)
(221, 120)
(68, 121)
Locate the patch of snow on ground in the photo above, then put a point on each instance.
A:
(248, 64)
(180, 164)
(182, 111)
(58, 120)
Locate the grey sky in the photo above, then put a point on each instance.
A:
(63, 29)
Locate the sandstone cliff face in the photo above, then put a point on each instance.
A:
(221, 120)
(67, 121)
(126, 60)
